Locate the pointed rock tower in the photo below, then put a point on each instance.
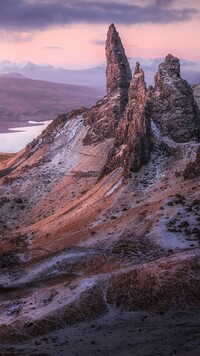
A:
(104, 117)
(172, 105)
(137, 124)
(118, 72)
(132, 144)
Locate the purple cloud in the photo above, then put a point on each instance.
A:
(40, 14)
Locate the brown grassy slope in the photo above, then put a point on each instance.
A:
(23, 99)
(5, 156)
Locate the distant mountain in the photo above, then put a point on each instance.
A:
(12, 75)
(8, 66)
(95, 76)
(23, 99)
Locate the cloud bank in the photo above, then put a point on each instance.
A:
(31, 15)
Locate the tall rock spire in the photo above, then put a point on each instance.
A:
(118, 73)
(137, 124)
(132, 144)
(105, 116)
(172, 104)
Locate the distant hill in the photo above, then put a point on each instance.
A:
(23, 99)
(12, 75)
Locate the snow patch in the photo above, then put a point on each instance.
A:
(70, 128)
(48, 267)
(155, 130)
(114, 187)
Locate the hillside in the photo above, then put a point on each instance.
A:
(23, 99)
(100, 223)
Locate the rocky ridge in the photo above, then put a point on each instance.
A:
(80, 243)
(172, 105)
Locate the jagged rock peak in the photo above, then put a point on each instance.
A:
(132, 144)
(137, 84)
(138, 88)
(136, 124)
(172, 105)
(105, 116)
(118, 72)
(138, 70)
(171, 65)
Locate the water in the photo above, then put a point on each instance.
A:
(18, 138)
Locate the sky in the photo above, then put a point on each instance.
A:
(72, 33)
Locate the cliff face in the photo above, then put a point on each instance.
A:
(173, 108)
(104, 117)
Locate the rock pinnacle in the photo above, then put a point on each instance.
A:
(118, 73)
(173, 107)
(105, 117)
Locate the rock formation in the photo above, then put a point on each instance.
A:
(104, 117)
(132, 144)
(118, 73)
(173, 108)
(75, 245)
(193, 168)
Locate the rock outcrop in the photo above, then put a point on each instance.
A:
(196, 93)
(122, 114)
(172, 105)
(104, 117)
(193, 168)
(132, 144)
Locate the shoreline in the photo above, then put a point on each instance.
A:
(14, 126)
(13, 139)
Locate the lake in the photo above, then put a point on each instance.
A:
(18, 138)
